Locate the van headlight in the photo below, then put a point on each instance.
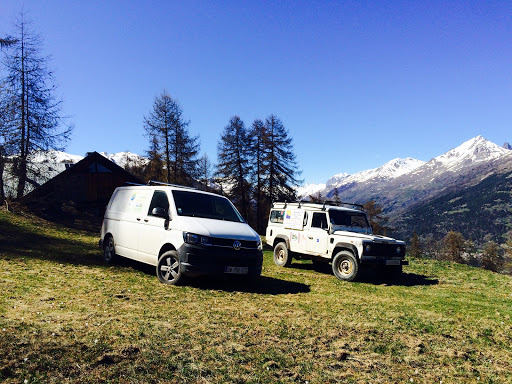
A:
(192, 238)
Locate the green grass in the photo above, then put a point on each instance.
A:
(66, 317)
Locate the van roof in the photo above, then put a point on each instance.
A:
(166, 186)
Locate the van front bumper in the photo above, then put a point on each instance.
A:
(211, 260)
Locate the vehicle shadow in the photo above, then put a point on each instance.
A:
(263, 285)
(373, 276)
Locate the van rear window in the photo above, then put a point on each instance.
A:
(206, 206)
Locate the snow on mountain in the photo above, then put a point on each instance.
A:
(309, 189)
(336, 180)
(53, 156)
(124, 159)
(472, 151)
(411, 173)
(391, 170)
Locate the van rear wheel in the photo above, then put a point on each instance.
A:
(168, 268)
(109, 251)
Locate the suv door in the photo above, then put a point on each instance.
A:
(317, 234)
(154, 228)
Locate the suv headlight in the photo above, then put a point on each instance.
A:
(260, 245)
(192, 238)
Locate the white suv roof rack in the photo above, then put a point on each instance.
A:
(323, 205)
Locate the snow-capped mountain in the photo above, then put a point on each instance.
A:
(400, 183)
(310, 189)
(124, 159)
(388, 171)
(471, 152)
(53, 156)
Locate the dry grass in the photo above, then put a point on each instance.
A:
(65, 317)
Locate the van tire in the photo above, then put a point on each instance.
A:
(109, 251)
(344, 266)
(282, 256)
(168, 269)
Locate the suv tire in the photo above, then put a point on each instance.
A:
(282, 257)
(344, 266)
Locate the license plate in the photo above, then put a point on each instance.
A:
(392, 262)
(237, 270)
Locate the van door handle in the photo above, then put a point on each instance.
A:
(138, 218)
(146, 220)
(310, 238)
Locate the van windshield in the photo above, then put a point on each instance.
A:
(206, 206)
(349, 221)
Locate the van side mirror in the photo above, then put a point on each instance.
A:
(160, 212)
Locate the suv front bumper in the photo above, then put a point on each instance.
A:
(376, 260)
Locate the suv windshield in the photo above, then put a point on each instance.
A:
(349, 221)
(206, 206)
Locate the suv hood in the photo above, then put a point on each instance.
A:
(218, 228)
(373, 238)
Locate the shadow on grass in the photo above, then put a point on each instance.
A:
(17, 241)
(263, 285)
(373, 276)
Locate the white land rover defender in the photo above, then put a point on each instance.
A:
(330, 233)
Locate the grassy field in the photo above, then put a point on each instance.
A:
(66, 317)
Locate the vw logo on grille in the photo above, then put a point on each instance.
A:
(237, 245)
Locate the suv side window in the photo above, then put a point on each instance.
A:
(159, 200)
(277, 217)
(319, 220)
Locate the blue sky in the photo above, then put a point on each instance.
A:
(356, 83)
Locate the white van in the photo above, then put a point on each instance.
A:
(181, 231)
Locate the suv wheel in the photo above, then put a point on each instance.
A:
(282, 257)
(344, 266)
(168, 268)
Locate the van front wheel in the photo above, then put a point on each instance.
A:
(168, 268)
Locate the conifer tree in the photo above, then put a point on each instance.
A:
(166, 128)
(280, 162)
(205, 171)
(492, 258)
(155, 167)
(31, 118)
(415, 250)
(233, 168)
(454, 247)
(257, 136)
(336, 196)
(377, 220)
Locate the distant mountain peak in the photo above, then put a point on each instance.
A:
(474, 150)
(507, 145)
